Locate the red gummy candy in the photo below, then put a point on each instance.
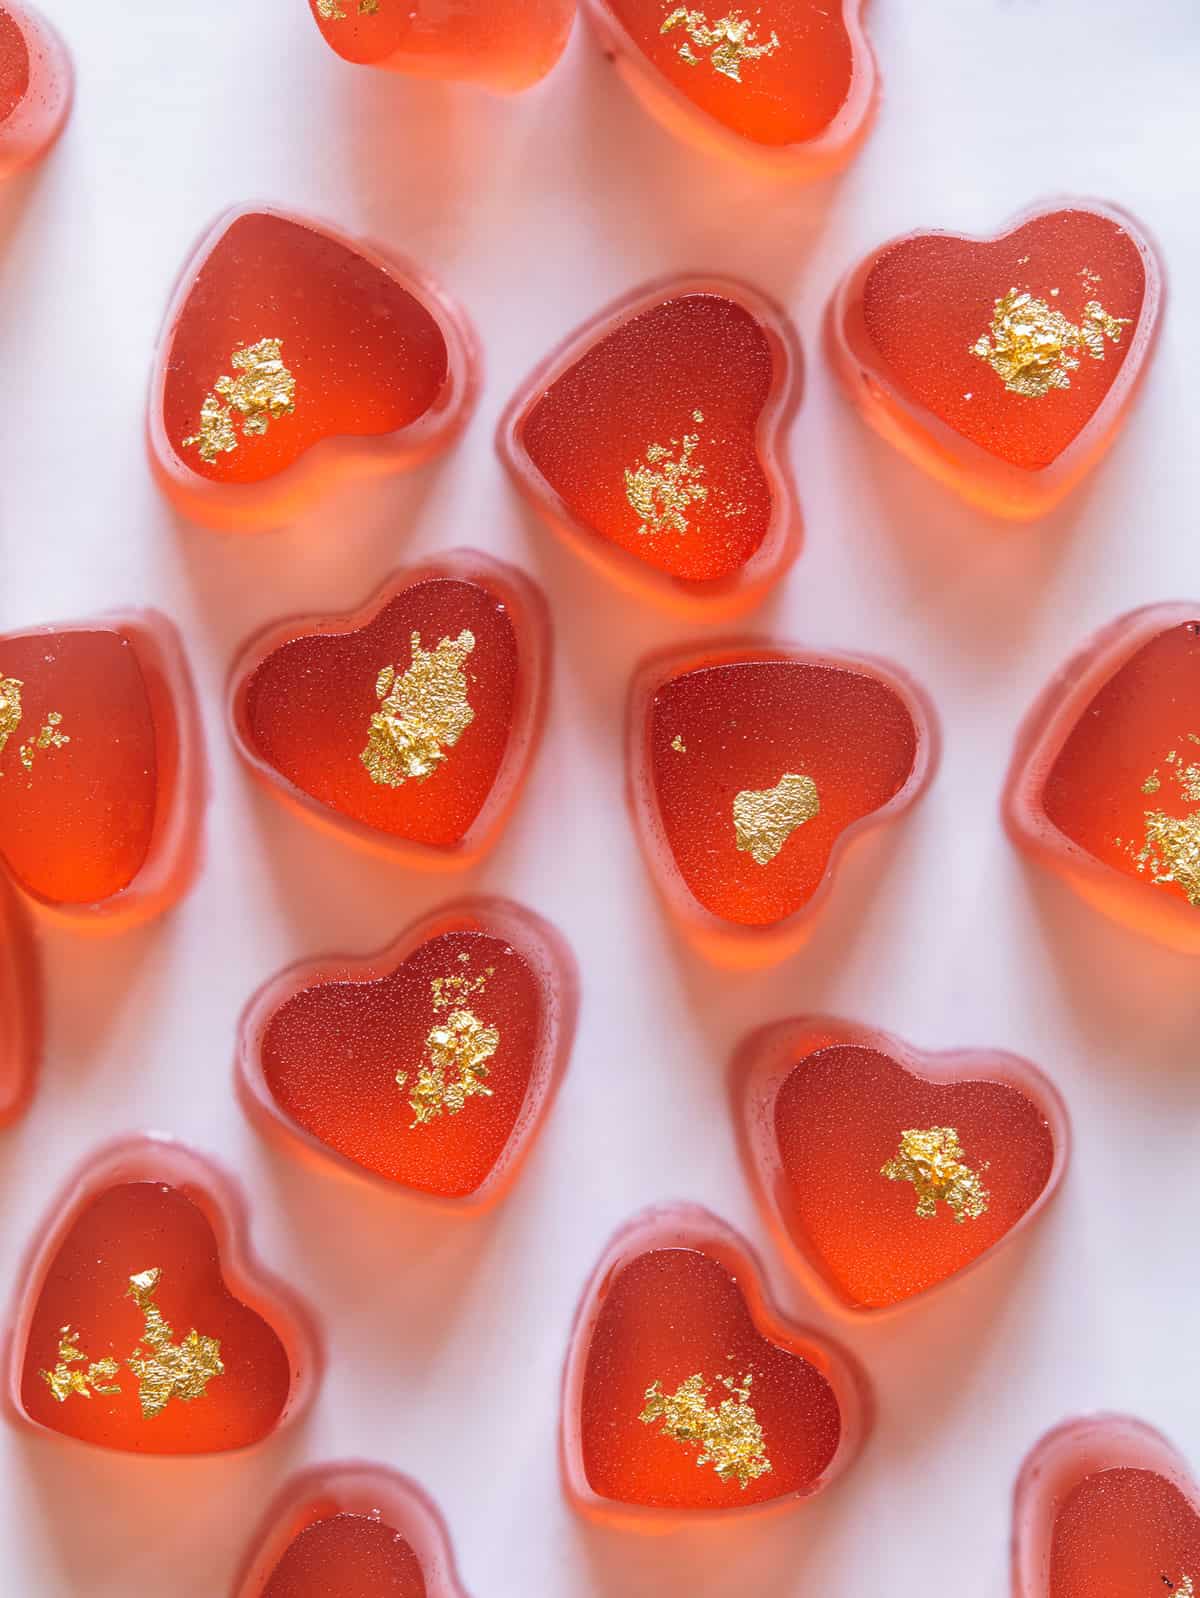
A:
(890, 1170)
(1104, 786)
(751, 767)
(20, 1007)
(292, 357)
(431, 1065)
(102, 773)
(653, 442)
(36, 86)
(789, 85)
(1003, 366)
(1105, 1508)
(141, 1321)
(409, 724)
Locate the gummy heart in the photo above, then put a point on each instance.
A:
(685, 1389)
(431, 1065)
(653, 442)
(20, 1007)
(888, 1169)
(410, 723)
(1003, 366)
(1104, 786)
(787, 84)
(751, 767)
(141, 1321)
(354, 1530)
(291, 356)
(36, 86)
(102, 781)
(502, 44)
(1105, 1508)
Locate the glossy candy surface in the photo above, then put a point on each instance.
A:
(36, 86)
(1104, 786)
(141, 1323)
(292, 356)
(751, 766)
(685, 1390)
(411, 722)
(786, 84)
(652, 441)
(501, 44)
(1105, 1508)
(102, 779)
(20, 1006)
(888, 1170)
(430, 1065)
(1004, 366)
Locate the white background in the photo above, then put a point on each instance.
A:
(446, 1336)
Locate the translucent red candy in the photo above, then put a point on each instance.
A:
(787, 84)
(410, 723)
(653, 442)
(20, 1007)
(431, 1065)
(36, 86)
(1104, 786)
(1104, 1508)
(501, 44)
(102, 779)
(889, 1170)
(141, 1321)
(686, 1391)
(293, 356)
(751, 767)
(1004, 366)
(357, 1530)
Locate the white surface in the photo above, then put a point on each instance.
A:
(446, 1338)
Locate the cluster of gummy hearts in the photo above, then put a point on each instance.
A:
(36, 85)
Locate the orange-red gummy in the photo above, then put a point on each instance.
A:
(20, 1006)
(36, 86)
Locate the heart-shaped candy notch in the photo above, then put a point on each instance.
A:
(20, 1007)
(430, 1066)
(505, 45)
(752, 766)
(141, 1321)
(102, 769)
(409, 724)
(653, 441)
(354, 1529)
(292, 357)
(787, 85)
(886, 1170)
(688, 1394)
(1104, 1508)
(1003, 366)
(36, 86)
(1104, 786)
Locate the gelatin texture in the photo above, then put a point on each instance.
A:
(350, 1556)
(14, 65)
(1125, 1531)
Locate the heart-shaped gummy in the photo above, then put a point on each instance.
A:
(292, 356)
(411, 722)
(501, 44)
(653, 442)
(1105, 1508)
(141, 1322)
(890, 1170)
(431, 1065)
(102, 773)
(36, 86)
(1003, 366)
(20, 1007)
(1104, 786)
(357, 1530)
(752, 766)
(686, 1391)
(786, 84)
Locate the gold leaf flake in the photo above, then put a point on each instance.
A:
(457, 1050)
(263, 392)
(678, 744)
(1033, 348)
(932, 1161)
(1170, 847)
(422, 713)
(331, 10)
(728, 1435)
(65, 1380)
(661, 488)
(765, 819)
(166, 1369)
(730, 41)
(48, 737)
(10, 708)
